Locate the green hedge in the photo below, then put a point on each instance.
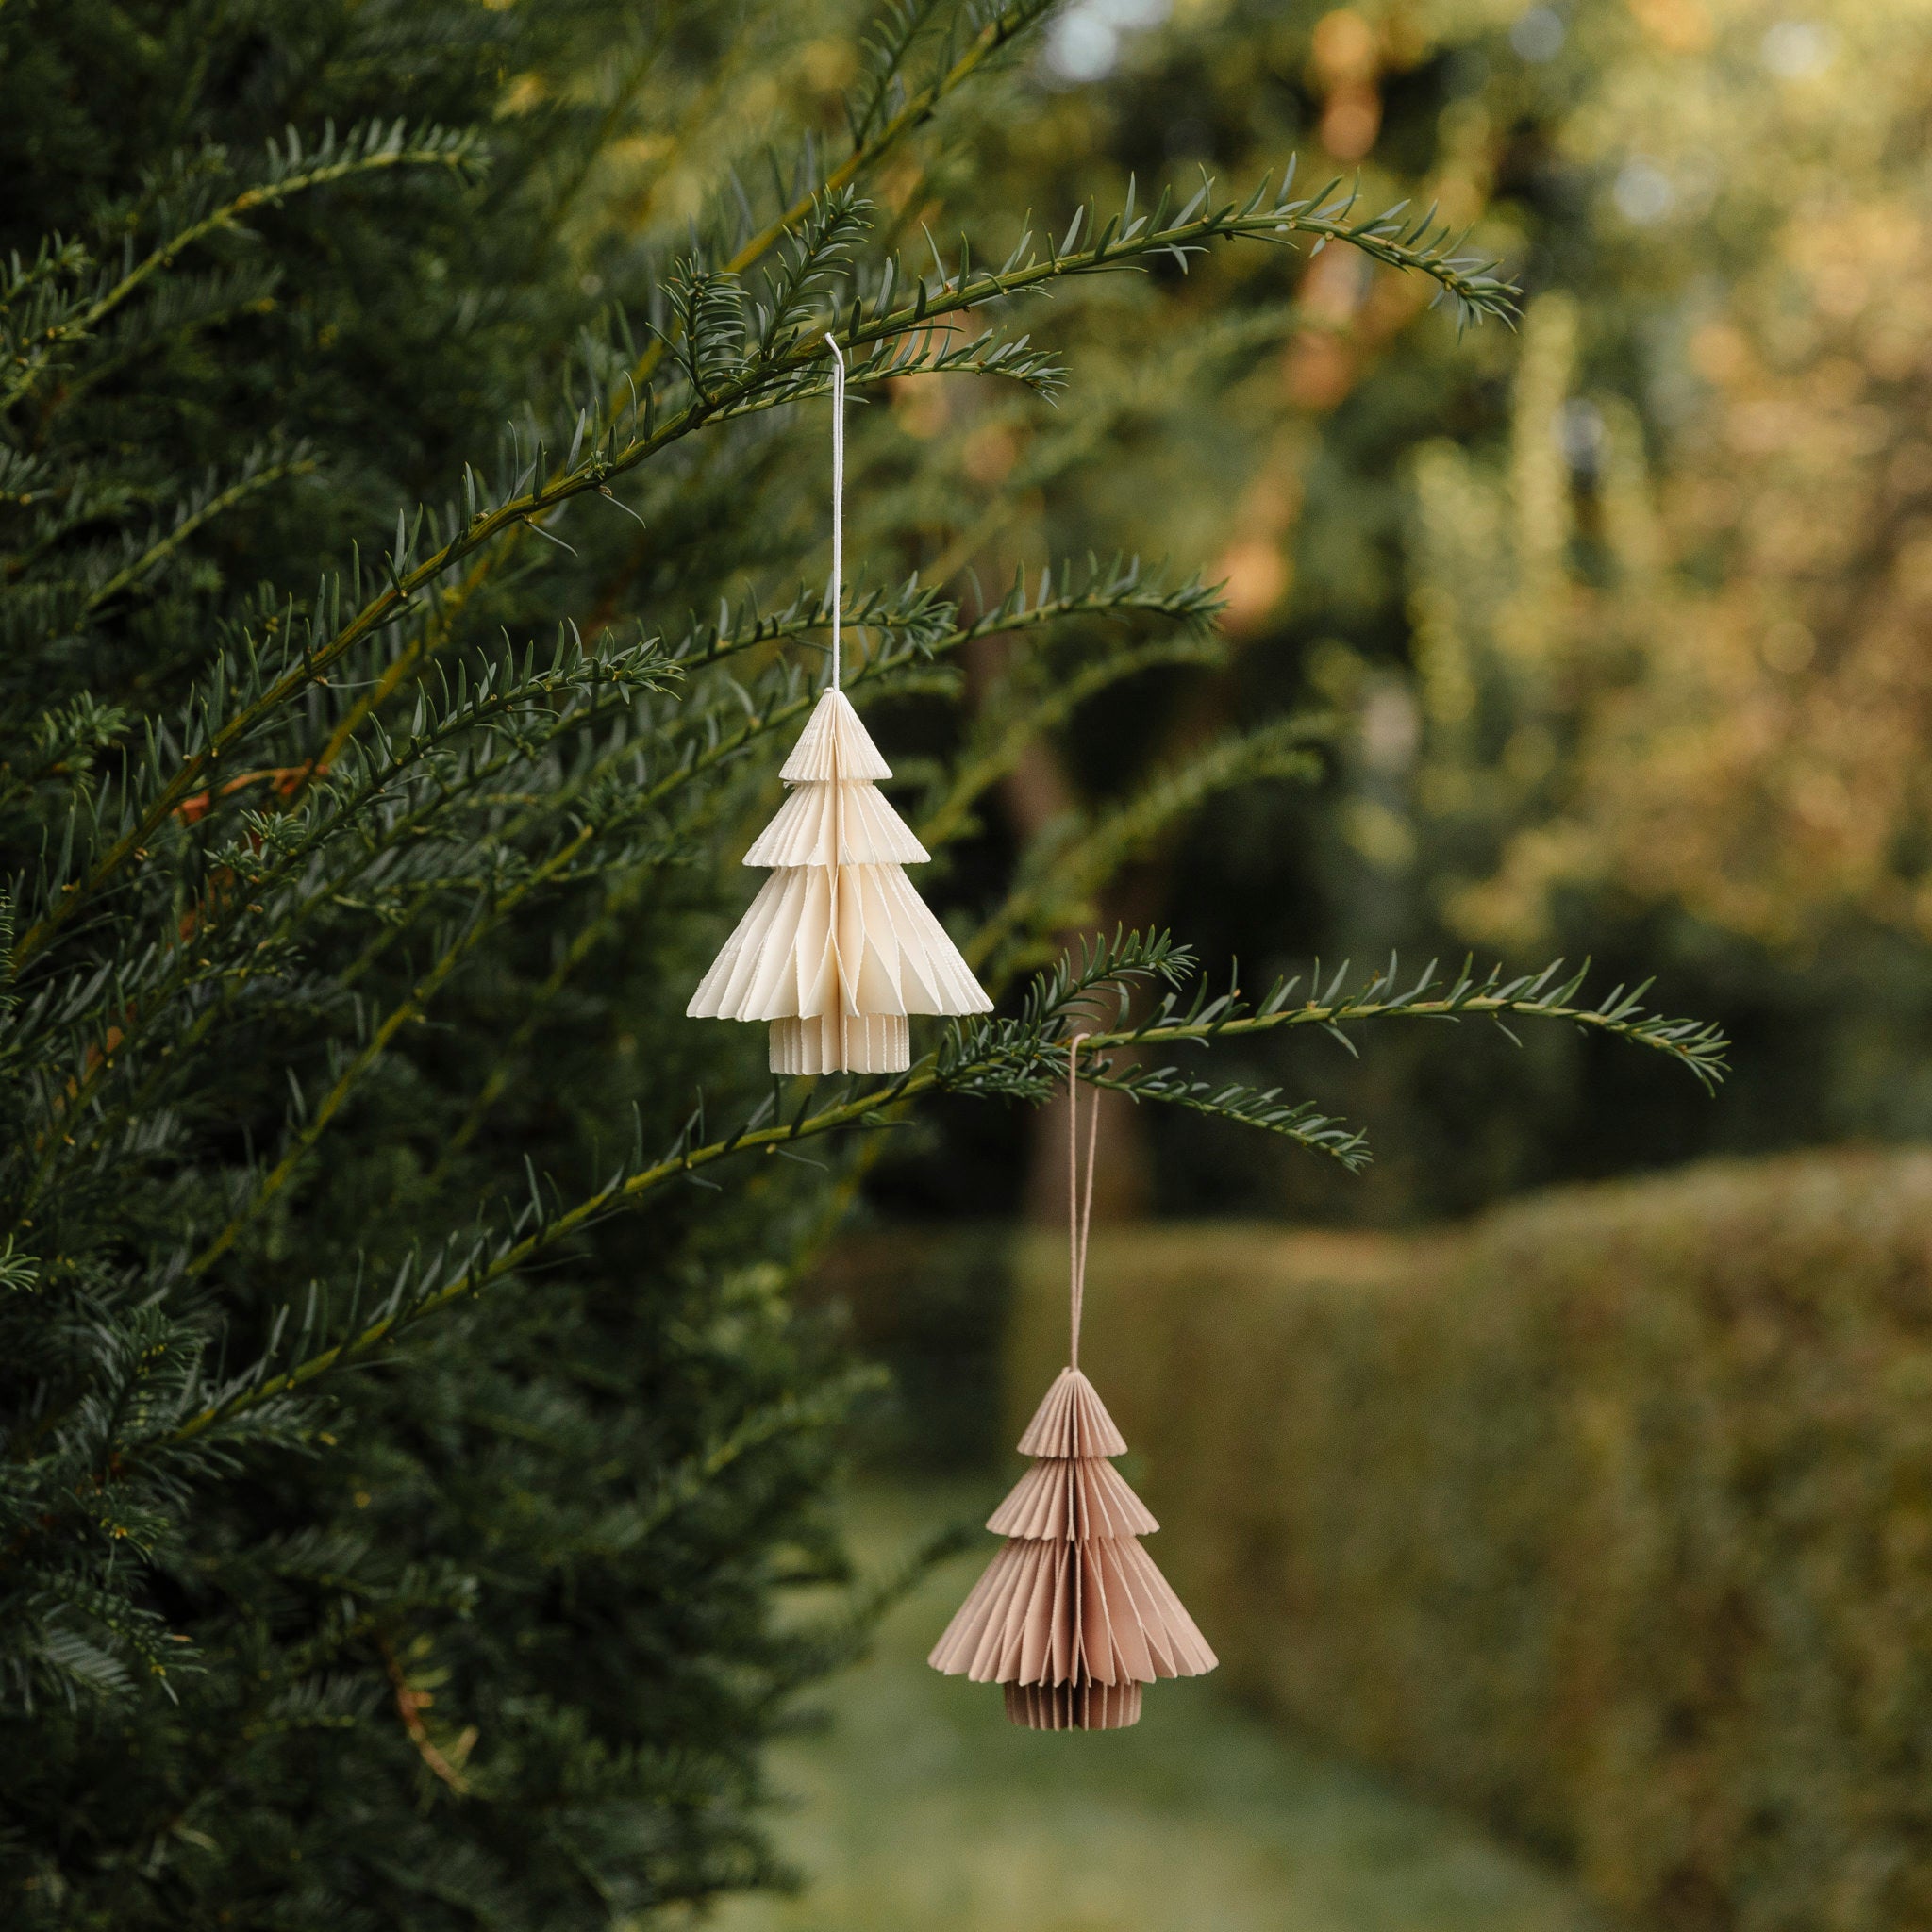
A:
(1609, 1516)
(927, 1304)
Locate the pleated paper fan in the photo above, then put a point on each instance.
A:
(1072, 1499)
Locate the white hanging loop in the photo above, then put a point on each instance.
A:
(838, 495)
(1079, 1199)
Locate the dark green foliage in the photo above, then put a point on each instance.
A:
(563, 1521)
(391, 1517)
(929, 1305)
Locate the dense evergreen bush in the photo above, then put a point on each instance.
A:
(1606, 1516)
(390, 1516)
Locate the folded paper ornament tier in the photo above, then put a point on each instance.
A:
(1072, 1616)
(838, 948)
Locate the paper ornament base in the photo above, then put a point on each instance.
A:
(842, 1043)
(1074, 1707)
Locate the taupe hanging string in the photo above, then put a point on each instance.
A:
(1079, 1200)
(838, 495)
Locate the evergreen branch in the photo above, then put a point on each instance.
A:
(706, 750)
(291, 169)
(1025, 1059)
(1246, 1106)
(888, 44)
(1128, 240)
(180, 308)
(915, 621)
(528, 705)
(242, 933)
(1004, 24)
(1028, 1047)
(412, 1297)
(1115, 590)
(915, 611)
(57, 259)
(688, 1479)
(653, 37)
(1065, 869)
(712, 325)
(901, 341)
(256, 475)
(984, 765)
(410, 1704)
(484, 919)
(1119, 591)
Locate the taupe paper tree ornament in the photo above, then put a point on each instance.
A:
(1072, 1616)
(838, 948)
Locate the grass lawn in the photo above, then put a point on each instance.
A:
(921, 1809)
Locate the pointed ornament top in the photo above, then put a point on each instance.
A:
(836, 748)
(1072, 1421)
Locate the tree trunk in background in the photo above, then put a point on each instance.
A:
(1034, 794)
(1354, 316)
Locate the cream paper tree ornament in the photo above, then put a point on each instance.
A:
(838, 948)
(1072, 1616)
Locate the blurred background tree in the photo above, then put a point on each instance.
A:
(1620, 613)
(1697, 710)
